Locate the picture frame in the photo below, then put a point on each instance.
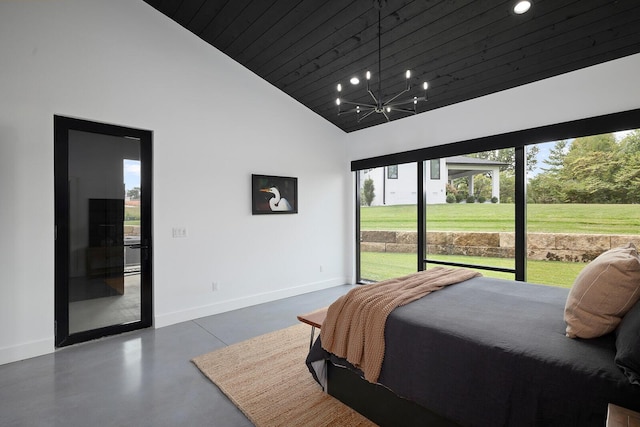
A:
(274, 194)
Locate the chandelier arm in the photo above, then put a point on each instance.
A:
(373, 96)
(355, 110)
(395, 97)
(403, 110)
(366, 115)
(386, 116)
(342, 101)
(406, 101)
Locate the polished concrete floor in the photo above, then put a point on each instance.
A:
(143, 378)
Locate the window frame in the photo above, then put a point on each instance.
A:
(432, 163)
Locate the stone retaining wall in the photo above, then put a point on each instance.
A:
(541, 246)
(131, 230)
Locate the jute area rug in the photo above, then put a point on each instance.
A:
(266, 378)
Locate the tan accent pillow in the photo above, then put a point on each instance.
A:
(603, 292)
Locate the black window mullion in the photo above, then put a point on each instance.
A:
(358, 201)
(521, 214)
(422, 229)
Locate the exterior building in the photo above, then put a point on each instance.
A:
(397, 184)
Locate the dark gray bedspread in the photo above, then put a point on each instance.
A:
(490, 352)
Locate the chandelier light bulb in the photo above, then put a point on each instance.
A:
(354, 80)
(388, 109)
(425, 85)
(338, 101)
(368, 75)
(339, 87)
(408, 74)
(521, 7)
(415, 100)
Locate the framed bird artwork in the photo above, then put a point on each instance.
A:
(274, 194)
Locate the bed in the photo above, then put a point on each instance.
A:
(484, 352)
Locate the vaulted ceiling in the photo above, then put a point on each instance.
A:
(462, 48)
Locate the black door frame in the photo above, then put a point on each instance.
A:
(62, 126)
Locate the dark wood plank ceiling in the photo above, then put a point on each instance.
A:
(462, 48)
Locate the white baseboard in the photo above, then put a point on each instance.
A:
(26, 350)
(167, 319)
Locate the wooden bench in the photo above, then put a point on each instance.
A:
(315, 319)
(622, 417)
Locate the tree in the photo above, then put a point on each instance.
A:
(628, 178)
(631, 143)
(555, 161)
(482, 186)
(508, 156)
(368, 193)
(545, 188)
(134, 193)
(507, 186)
(604, 143)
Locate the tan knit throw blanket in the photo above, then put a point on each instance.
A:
(355, 322)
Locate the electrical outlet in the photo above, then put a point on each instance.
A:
(179, 232)
(214, 286)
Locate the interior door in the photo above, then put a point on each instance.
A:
(103, 250)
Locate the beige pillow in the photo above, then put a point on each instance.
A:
(603, 292)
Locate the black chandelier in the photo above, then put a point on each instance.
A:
(379, 105)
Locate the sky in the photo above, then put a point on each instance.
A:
(131, 174)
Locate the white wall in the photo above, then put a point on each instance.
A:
(214, 124)
(602, 89)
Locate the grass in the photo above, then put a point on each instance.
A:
(132, 215)
(379, 266)
(564, 218)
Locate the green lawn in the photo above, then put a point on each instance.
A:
(379, 266)
(564, 218)
(132, 215)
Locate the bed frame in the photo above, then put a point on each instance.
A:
(378, 403)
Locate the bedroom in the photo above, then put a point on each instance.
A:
(119, 63)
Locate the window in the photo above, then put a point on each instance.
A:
(474, 225)
(387, 214)
(579, 192)
(392, 172)
(435, 169)
(582, 199)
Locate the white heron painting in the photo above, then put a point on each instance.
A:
(274, 194)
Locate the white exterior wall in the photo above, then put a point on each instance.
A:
(400, 191)
(436, 189)
(404, 190)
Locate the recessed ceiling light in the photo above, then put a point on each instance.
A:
(521, 7)
(354, 80)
